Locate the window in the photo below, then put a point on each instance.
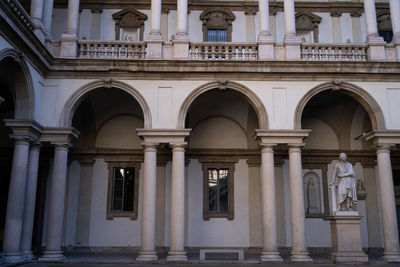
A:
(218, 191)
(217, 25)
(123, 185)
(214, 35)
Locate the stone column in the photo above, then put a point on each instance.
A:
(266, 50)
(395, 16)
(30, 201)
(181, 38)
(292, 41)
(388, 205)
(376, 44)
(270, 240)
(47, 18)
(148, 247)
(177, 231)
(84, 204)
(37, 18)
(96, 23)
(16, 201)
(297, 213)
(356, 27)
(69, 47)
(336, 29)
(154, 39)
(56, 205)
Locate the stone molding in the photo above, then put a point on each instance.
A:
(129, 18)
(363, 97)
(383, 137)
(59, 136)
(290, 137)
(317, 6)
(24, 129)
(160, 136)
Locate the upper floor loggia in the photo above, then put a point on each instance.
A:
(330, 30)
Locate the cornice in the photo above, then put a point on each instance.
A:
(16, 30)
(243, 70)
(345, 7)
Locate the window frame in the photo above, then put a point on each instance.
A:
(217, 19)
(230, 214)
(111, 214)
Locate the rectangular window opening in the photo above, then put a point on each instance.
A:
(216, 35)
(123, 189)
(218, 190)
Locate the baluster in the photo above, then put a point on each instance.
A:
(143, 50)
(363, 54)
(213, 52)
(206, 52)
(136, 51)
(336, 53)
(123, 53)
(246, 53)
(233, 52)
(108, 51)
(101, 50)
(87, 50)
(81, 50)
(356, 54)
(254, 52)
(329, 53)
(129, 51)
(303, 52)
(95, 53)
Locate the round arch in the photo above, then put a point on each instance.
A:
(24, 93)
(363, 97)
(77, 97)
(249, 95)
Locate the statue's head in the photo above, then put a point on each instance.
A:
(343, 156)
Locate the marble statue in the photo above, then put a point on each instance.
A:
(344, 197)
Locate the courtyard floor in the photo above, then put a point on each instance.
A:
(128, 260)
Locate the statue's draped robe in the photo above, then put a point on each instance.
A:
(346, 185)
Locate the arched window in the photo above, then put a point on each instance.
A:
(217, 25)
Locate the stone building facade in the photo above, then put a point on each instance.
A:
(175, 127)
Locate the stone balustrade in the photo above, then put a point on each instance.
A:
(111, 49)
(223, 51)
(333, 52)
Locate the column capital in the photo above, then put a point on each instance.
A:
(178, 146)
(295, 148)
(59, 136)
(163, 136)
(150, 146)
(24, 129)
(383, 137)
(383, 149)
(278, 136)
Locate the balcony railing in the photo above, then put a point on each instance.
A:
(334, 52)
(111, 49)
(228, 51)
(223, 51)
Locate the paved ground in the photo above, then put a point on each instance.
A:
(128, 260)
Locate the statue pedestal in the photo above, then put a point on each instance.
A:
(346, 238)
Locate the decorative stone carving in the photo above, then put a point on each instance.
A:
(129, 18)
(307, 21)
(344, 196)
(217, 18)
(384, 21)
(361, 193)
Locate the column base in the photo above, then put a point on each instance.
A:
(154, 46)
(27, 255)
(300, 257)
(69, 46)
(270, 256)
(181, 46)
(177, 256)
(147, 256)
(349, 257)
(391, 257)
(51, 256)
(266, 47)
(292, 47)
(13, 257)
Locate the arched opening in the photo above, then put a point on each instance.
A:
(104, 174)
(17, 103)
(220, 146)
(338, 119)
